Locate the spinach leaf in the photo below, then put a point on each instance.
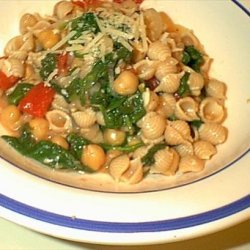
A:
(196, 123)
(48, 65)
(192, 58)
(76, 143)
(86, 22)
(184, 87)
(53, 155)
(124, 148)
(19, 92)
(148, 159)
(59, 90)
(45, 152)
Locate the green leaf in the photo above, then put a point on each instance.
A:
(49, 64)
(148, 159)
(86, 22)
(196, 123)
(45, 152)
(192, 58)
(76, 143)
(184, 87)
(19, 92)
(125, 148)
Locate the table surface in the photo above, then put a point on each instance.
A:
(15, 237)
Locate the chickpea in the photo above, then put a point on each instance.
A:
(126, 83)
(39, 128)
(11, 118)
(59, 140)
(93, 156)
(114, 137)
(48, 38)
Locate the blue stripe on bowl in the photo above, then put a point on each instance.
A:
(247, 11)
(125, 227)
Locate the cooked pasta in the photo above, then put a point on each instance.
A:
(109, 87)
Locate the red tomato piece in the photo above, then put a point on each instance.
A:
(62, 63)
(7, 82)
(37, 101)
(121, 1)
(86, 3)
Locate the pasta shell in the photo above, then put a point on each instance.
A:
(93, 134)
(100, 119)
(13, 45)
(191, 163)
(166, 106)
(216, 89)
(211, 110)
(20, 55)
(173, 136)
(60, 103)
(158, 51)
(59, 121)
(186, 109)
(158, 140)
(185, 149)
(140, 152)
(204, 149)
(27, 21)
(154, 24)
(152, 125)
(150, 100)
(196, 83)
(16, 67)
(145, 69)
(134, 173)
(62, 9)
(85, 119)
(213, 132)
(166, 67)
(166, 162)
(170, 83)
(118, 166)
(183, 128)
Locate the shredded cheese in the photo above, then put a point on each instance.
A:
(63, 41)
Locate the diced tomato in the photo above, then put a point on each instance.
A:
(121, 1)
(62, 63)
(37, 101)
(7, 82)
(85, 4)
(152, 83)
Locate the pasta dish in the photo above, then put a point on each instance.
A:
(110, 87)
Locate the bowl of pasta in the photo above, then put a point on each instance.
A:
(112, 103)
